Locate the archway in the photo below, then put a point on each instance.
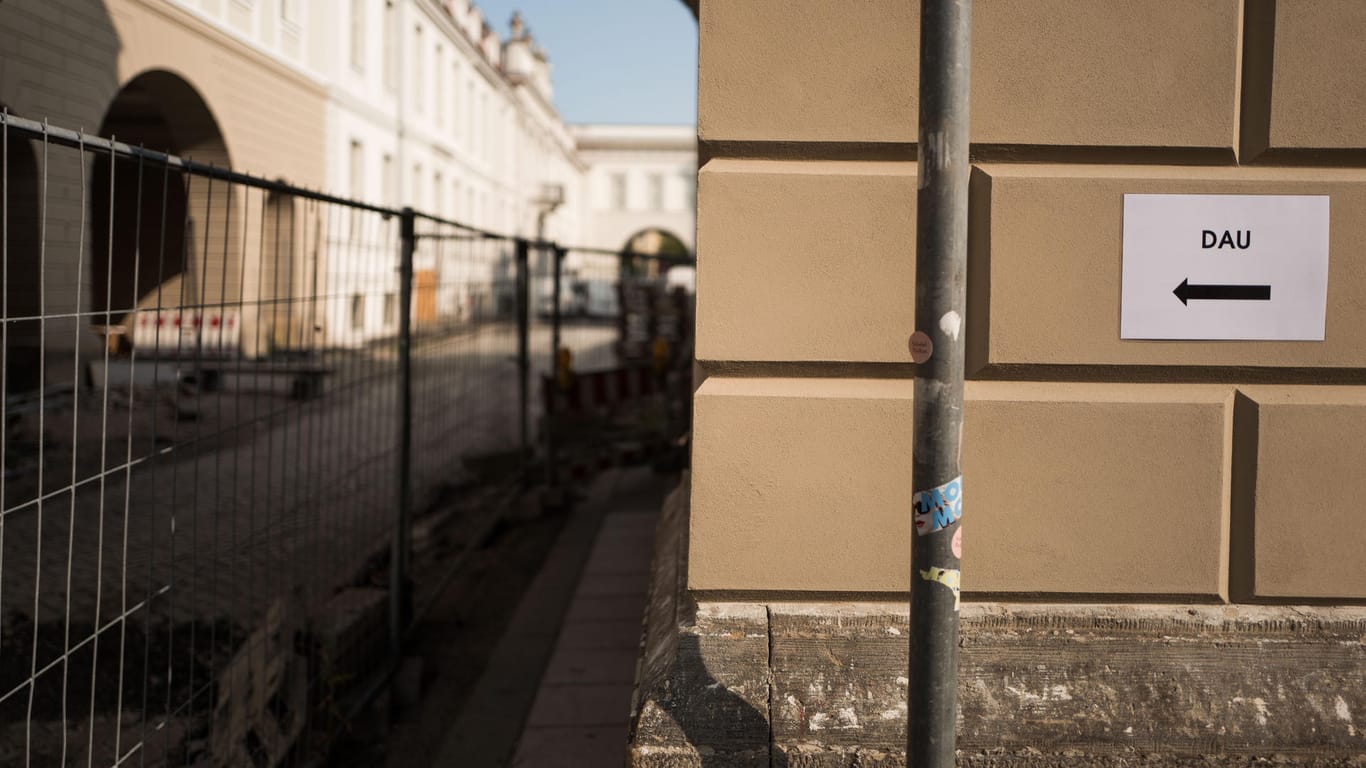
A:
(19, 255)
(165, 224)
(652, 241)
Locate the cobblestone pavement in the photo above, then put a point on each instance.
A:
(258, 498)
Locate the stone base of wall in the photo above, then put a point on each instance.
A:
(823, 684)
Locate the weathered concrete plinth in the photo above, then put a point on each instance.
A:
(823, 684)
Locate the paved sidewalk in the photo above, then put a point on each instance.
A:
(584, 611)
(581, 712)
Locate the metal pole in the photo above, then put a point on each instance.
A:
(400, 592)
(937, 348)
(523, 351)
(557, 262)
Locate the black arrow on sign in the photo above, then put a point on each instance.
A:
(1185, 291)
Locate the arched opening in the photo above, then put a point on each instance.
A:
(20, 255)
(656, 242)
(651, 242)
(174, 238)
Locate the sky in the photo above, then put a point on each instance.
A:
(613, 61)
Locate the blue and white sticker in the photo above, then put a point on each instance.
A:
(938, 508)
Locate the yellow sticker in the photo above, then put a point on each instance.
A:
(949, 577)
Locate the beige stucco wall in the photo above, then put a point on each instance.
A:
(1092, 466)
(67, 61)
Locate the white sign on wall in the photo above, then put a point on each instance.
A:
(1239, 267)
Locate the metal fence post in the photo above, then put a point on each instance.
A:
(557, 264)
(551, 474)
(523, 351)
(937, 348)
(400, 592)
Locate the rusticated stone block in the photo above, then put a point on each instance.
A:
(1045, 73)
(1046, 266)
(802, 486)
(1318, 97)
(1304, 464)
(806, 260)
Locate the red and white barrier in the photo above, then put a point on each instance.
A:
(188, 332)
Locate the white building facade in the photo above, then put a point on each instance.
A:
(396, 102)
(640, 179)
(429, 108)
(426, 106)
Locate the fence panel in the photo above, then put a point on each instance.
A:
(225, 398)
(203, 440)
(465, 353)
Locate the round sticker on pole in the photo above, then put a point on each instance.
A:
(921, 347)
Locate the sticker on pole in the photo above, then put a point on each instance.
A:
(949, 577)
(921, 347)
(1224, 267)
(938, 508)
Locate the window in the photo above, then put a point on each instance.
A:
(390, 310)
(356, 170)
(387, 182)
(455, 96)
(469, 105)
(439, 68)
(390, 81)
(357, 35)
(438, 199)
(504, 135)
(656, 192)
(690, 191)
(419, 85)
(355, 179)
(619, 191)
(357, 312)
(484, 112)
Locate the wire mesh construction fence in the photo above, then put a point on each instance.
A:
(223, 398)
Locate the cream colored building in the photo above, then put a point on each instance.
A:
(1139, 516)
(403, 102)
(641, 178)
(219, 81)
(428, 107)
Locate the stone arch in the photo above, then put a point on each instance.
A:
(175, 237)
(20, 261)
